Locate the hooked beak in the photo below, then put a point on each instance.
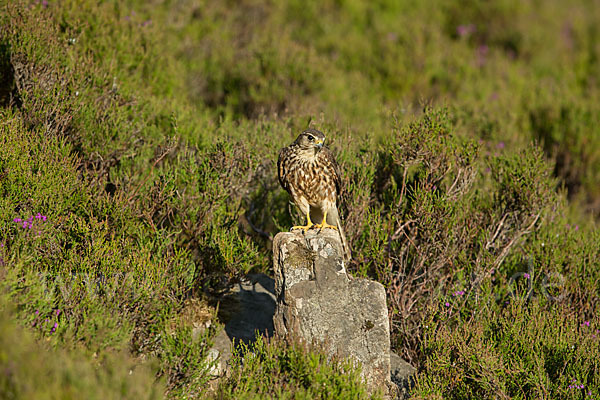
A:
(319, 143)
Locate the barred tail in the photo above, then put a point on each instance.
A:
(347, 251)
(334, 219)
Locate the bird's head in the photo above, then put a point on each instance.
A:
(311, 140)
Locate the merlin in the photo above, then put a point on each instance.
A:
(308, 171)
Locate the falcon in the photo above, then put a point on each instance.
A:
(308, 171)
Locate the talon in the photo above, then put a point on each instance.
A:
(303, 227)
(324, 224)
(306, 227)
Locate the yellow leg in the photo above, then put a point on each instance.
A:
(324, 224)
(308, 225)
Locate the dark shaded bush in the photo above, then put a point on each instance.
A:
(568, 135)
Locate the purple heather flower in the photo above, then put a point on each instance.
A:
(526, 275)
(37, 312)
(500, 145)
(25, 224)
(54, 327)
(464, 30)
(447, 304)
(576, 227)
(43, 218)
(458, 293)
(586, 323)
(57, 312)
(17, 220)
(481, 55)
(44, 3)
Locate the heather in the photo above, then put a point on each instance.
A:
(138, 143)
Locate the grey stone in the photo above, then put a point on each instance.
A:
(256, 305)
(247, 310)
(216, 367)
(311, 261)
(317, 303)
(402, 374)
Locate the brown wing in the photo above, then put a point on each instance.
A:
(332, 165)
(282, 168)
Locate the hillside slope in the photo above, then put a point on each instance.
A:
(137, 176)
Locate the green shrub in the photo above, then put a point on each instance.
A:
(274, 369)
(518, 350)
(34, 370)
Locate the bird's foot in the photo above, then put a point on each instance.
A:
(303, 227)
(325, 225)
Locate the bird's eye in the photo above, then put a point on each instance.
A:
(311, 138)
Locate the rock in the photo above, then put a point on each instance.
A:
(216, 367)
(330, 308)
(318, 303)
(402, 375)
(254, 306)
(247, 310)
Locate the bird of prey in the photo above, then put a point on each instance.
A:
(309, 173)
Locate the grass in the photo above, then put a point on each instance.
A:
(137, 178)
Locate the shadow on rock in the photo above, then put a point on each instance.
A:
(249, 308)
(247, 311)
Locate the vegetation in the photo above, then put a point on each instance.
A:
(276, 370)
(138, 143)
